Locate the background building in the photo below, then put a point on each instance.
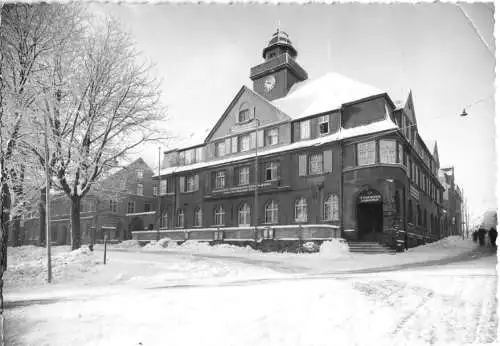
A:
(452, 203)
(120, 203)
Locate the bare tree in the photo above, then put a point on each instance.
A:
(101, 102)
(28, 34)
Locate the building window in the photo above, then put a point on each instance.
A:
(400, 154)
(155, 189)
(220, 180)
(387, 151)
(220, 149)
(180, 218)
(271, 212)
(198, 217)
(244, 143)
(316, 164)
(164, 220)
(234, 144)
(271, 171)
(189, 183)
(366, 153)
(140, 189)
(244, 215)
(301, 210)
(272, 137)
(190, 156)
(410, 211)
(131, 207)
(140, 173)
(331, 208)
(199, 154)
(147, 207)
(305, 129)
(163, 187)
(219, 215)
(244, 115)
(324, 126)
(113, 206)
(243, 175)
(419, 215)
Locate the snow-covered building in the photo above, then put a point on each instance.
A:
(120, 202)
(306, 158)
(452, 203)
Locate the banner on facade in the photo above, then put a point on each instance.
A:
(369, 196)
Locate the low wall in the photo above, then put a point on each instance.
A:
(244, 234)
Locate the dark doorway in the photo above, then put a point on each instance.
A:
(370, 215)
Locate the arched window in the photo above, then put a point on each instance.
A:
(244, 215)
(198, 217)
(331, 208)
(180, 218)
(244, 113)
(219, 215)
(410, 211)
(301, 210)
(164, 220)
(271, 212)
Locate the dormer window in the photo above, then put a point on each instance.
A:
(244, 113)
(220, 149)
(324, 127)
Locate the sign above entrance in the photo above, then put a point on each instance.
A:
(369, 196)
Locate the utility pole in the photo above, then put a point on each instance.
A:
(47, 204)
(158, 195)
(256, 194)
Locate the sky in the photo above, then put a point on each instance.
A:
(442, 52)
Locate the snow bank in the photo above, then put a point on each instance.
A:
(223, 249)
(160, 244)
(127, 244)
(27, 265)
(452, 242)
(334, 249)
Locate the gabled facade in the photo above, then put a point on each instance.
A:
(295, 152)
(121, 202)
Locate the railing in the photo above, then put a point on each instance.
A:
(244, 234)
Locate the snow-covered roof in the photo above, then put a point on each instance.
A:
(326, 93)
(193, 139)
(399, 96)
(379, 126)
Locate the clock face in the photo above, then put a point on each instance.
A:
(269, 83)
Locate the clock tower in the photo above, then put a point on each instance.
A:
(279, 72)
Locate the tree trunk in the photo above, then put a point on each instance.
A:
(76, 238)
(16, 231)
(41, 212)
(4, 236)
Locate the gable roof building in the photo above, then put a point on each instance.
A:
(328, 151)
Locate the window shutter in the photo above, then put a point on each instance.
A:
(227, 146)
(181, 184)
(252, 140)
(302, 165)
(327, 161)
(260, 138)
(196, 182)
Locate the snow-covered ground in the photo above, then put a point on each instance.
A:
(197, 295)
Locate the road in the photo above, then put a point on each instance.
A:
(449, 301)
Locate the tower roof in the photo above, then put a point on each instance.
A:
(280, 38)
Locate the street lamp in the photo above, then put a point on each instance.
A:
(256, 194)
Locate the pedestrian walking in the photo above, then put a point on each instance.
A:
(493, 236)
(481, 235)
(474, 236)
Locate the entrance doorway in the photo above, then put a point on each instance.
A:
(370, 215)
